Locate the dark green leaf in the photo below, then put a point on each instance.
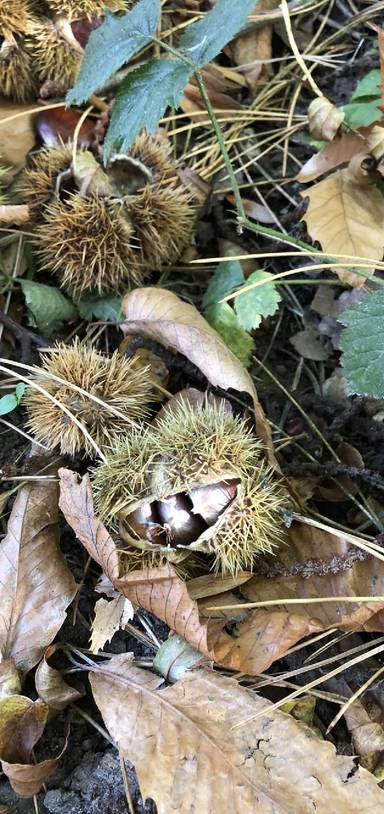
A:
(362, 113)
(227, 277)
(369, 85)
(48, 308)
(142, 99)
(202, 41)
(257, 303)
(107, 309)
(8, 403)
(113, 44)
(362, 343)
(224, 320)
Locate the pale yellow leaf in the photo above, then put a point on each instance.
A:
(109, 617)
(189, 758)
(348, 219)
(161, 315)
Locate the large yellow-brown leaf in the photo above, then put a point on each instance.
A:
(36, 585)
(161, 315)
(346, 218)
(22, 723)
(190, 759)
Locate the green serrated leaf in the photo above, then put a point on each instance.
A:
(48, 309)
(224, 320)
(202, 41)
(362, 343)
(142, 99)
(112, 45)
(227, 277)
(257, 303)
(369, 85)
(362, 113)
(8, 403)
(107, 309)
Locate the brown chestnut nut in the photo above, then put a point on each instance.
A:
(210, 501)
(181, 526)
(144, 522)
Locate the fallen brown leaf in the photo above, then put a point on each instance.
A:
(22, 723)
(161, 315)
(50, 685)
(17, 214)
(271, 765)
(315, 563)
(346, 219)
(110, 616)
(37, 585)
(258, 640)
(339, 151)
(255, 46)
(17, 135)
(76, 503)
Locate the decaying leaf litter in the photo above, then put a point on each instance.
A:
(191, 252)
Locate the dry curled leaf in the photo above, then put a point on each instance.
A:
(76, 503)
(324, 119)
(337, 152)
(161, 315)
(50, 685)
(255, 46)
(346, 219)
(258, 640)
(199, 762)
(22, 723)
(36, 583)
(109, 617)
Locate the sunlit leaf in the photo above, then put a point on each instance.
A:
(224, 320)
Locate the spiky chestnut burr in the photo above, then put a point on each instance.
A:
(112, 379)
(77, 9)
(39, 180)
(197, 482)
(163, 217)
(89, 245)
(14, 17)
(53, 57)
(17, 79)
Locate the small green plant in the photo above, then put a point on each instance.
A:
(364, 106)
(12, 400)
(254, 304)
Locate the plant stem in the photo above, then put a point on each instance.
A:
(241, 216)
